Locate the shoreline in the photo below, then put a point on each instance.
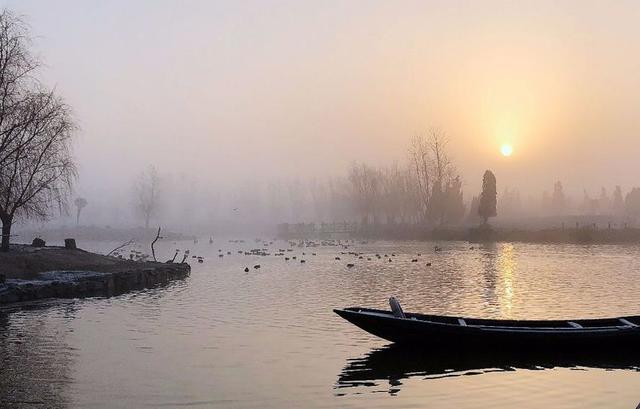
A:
(25, 276)
(580, 235)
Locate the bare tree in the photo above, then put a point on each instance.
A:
(318, 194)
(632, 203)
(454, 200)
(421, 161)
(391, 190)
(147, 194)
(366, 190)
(339, 194)
(617, 204)
(38, 173)
(36, 167)
(17, 66)
(80, 204)
(434, 173)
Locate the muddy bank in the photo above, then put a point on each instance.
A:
(28, 274)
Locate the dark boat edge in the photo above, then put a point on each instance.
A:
(588, 323)
(436, 329)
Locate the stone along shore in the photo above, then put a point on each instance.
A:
(28, 274)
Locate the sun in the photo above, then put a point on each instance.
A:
(506, 149)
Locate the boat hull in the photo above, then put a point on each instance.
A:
(416, 330)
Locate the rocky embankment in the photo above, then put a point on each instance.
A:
(28, 274)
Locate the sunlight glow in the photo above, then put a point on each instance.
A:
(506, 150)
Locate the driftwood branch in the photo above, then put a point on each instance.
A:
(153, 251)
(174, 257)
(125, 244)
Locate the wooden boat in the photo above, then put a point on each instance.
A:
(396, 326)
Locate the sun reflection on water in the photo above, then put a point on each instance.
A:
(506, 267)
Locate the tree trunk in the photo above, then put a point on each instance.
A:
(6, 233)
(78, 217)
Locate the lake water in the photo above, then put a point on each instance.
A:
(269, 339)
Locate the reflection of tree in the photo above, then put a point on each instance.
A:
(489, 271)
(34, 359)
(499, 266)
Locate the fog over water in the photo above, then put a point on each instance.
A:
(226, 97)
(279, 160)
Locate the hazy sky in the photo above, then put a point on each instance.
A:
(238, 90)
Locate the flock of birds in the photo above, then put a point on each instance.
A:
(287, 253)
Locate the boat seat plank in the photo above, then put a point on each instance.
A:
(462, 322)
(574, 324)
(627, 322)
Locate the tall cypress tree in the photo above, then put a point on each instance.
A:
(488, 197)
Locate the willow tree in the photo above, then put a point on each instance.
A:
(36, 130)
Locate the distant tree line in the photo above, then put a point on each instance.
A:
(557, 203)
(426, 189)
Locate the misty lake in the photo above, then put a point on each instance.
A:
(268, 338)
